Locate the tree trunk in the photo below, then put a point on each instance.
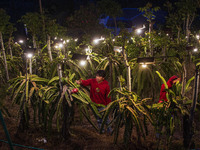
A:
(35, 44)
(188, 129)
(10, 48)
(4, 55)
(35, 47)
(49, 47)
(30, 66)
(66, 113)
(60, 76)
(150, 49)
(40, 3)
(187, 28)
(115, 21)
(183, 80)
(111, 73)
(128, 69)
(178, 36)
(64, 52)
(129, 78)
(23, 124)
(43, 22)
(195, 94)
(164, 52)
(66, 123)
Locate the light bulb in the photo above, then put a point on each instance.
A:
(82, 62)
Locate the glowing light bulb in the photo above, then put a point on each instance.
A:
(96, 41)
(21, 41)
(195, 50)
(60, 45)
(144, 65)
(56, 46)
(139, 31)
(82, 62)
(29, 55)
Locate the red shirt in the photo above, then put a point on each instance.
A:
(162, 90)
(98, 91)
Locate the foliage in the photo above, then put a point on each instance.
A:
(3, 98)
(25, 94)
(4, 20)
(128, 110)
(166, 115)
(84, 23)
(44, 95)
(53, 28)
(148, 11)
(110, 8)
(33, 22)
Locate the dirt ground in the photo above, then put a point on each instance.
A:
(84, 137)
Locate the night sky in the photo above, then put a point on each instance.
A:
(17, 8)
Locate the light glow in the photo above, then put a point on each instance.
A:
(21, 41)
(82, 62)
(139, 31)
(118, 49)
(196, 49)
(88, 50)
(144, 65)
(60, 45)
(29, 55)
(96, 41)
(56, 46)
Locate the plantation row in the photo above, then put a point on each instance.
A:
(41, 82)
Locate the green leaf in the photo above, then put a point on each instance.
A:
(165, 83)
(27, 89)
(37, 79)
(80, 98)
(134, 114)
(31, 92)
(188, 84)
(18, 90)
(89, 120)
(53, 79)
(108, 110)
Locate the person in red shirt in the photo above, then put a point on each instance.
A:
(99, 90)
(170, 82)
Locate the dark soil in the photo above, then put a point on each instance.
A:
(83, 136)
